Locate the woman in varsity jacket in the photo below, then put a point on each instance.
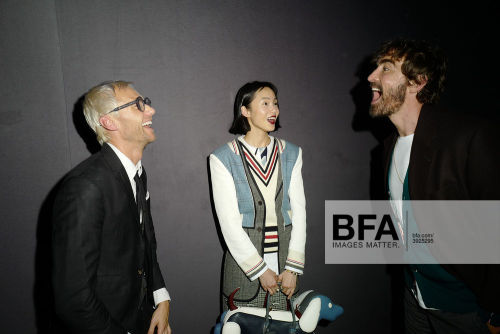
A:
(260, 203)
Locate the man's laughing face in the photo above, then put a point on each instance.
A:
(389, 87)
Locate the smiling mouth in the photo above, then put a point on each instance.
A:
(148, 124)
(376, 94)
(272, 120)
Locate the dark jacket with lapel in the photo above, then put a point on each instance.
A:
(99, 251)
(456, 157)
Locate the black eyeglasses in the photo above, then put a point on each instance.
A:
(139, 102)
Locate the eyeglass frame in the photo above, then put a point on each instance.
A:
(146, 101)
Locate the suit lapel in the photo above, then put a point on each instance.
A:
(388, 148)
(115, 165)
(422, 153)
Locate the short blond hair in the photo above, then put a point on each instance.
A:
(99, 100)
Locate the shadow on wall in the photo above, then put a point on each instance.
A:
(83, 129)
(46, 319)
(380, 128)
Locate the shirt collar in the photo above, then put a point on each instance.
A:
(254, 149)
(129, 166)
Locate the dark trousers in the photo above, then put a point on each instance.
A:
(422, 321)
(144, 318)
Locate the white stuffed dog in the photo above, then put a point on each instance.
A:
(309, 307)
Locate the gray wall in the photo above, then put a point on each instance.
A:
(190, 57)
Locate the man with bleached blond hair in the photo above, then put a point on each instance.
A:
(106, 276)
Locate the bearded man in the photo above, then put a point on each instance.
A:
(436, 155)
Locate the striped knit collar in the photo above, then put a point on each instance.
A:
(264, 173)
(234, 146)
(253, 148)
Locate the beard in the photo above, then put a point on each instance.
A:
(390, 101)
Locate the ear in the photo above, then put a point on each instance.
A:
(416, 87)
(108, 123)
(245, 112)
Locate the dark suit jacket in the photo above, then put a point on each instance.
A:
(456, 157)
(99, 252)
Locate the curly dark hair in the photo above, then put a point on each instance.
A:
(421, 62)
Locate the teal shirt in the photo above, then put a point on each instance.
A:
(439, 289)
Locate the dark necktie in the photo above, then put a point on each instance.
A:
(263, 155)
(140, 196)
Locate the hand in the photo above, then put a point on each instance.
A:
(288, 282)
(493, 330)
(159, 319)
(269, 281)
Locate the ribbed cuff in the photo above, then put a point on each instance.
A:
(294, 265)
